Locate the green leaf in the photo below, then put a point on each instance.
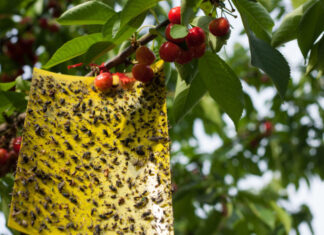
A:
(223, 85)
(73, 48)
(189, 9)
(178, 31)
(97, 50)
(310, 27)
(270, 61)
(22, 85)
(131, 10)
(7, 85)
(288, 29)
(186, 97)
(213, 114)
(316, 59)
(202, 22)
(38, 6)
(297, 3)
(91, 12)
(187, 71)
(207, 7)
(265, 215)
(17, 100)
(257, 17)
(124, 33)
(282, 215)
(10, 102)
(267, 4)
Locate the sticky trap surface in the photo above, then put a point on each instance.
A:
(93, 163)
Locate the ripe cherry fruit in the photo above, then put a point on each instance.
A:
(169, 37)
(195, 37)
(126, 82)
(142, 72)
(43, 23)
(219, 27)
(175, 15)
(169, 51)
(3, 156)
(185, 57)
(198, 51)
(17, 144)
(103, 81)
(268, 128)
(144, 55)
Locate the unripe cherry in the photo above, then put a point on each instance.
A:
(219, 27)
(169, 37)
(195, 37)
(169, 51)
(103, 81)
(143, 72)
(175, 15)
(144, 55)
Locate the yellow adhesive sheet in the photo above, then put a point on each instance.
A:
(93, 162)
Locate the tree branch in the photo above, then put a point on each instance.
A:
(122, 57)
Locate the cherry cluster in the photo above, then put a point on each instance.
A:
(21, 51)
(9, 158)
(182, 50)
(44, 24)
(105, 81)
(179, 50)
(143, 71)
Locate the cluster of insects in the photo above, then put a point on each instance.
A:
(93, 162)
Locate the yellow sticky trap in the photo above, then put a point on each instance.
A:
(93, 163)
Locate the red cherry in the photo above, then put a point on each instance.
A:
(56, 12)
(43, 23)
(3, 156)
(219, 27)
(54, 28)
(17, 144)
(144, 55)
(25, 20)
(169, 51)
(198, 51)
(52, 4)
(142, 72)
(185, 57)
(268, 128)
(169, 37)
(126, 82)
(175, 15)
(195, 37)
(103, 81)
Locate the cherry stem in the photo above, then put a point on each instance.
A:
(228, 12)
(122, 57)
(145, 26)
(233, 9)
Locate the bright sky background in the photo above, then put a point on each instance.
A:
(312, 196)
